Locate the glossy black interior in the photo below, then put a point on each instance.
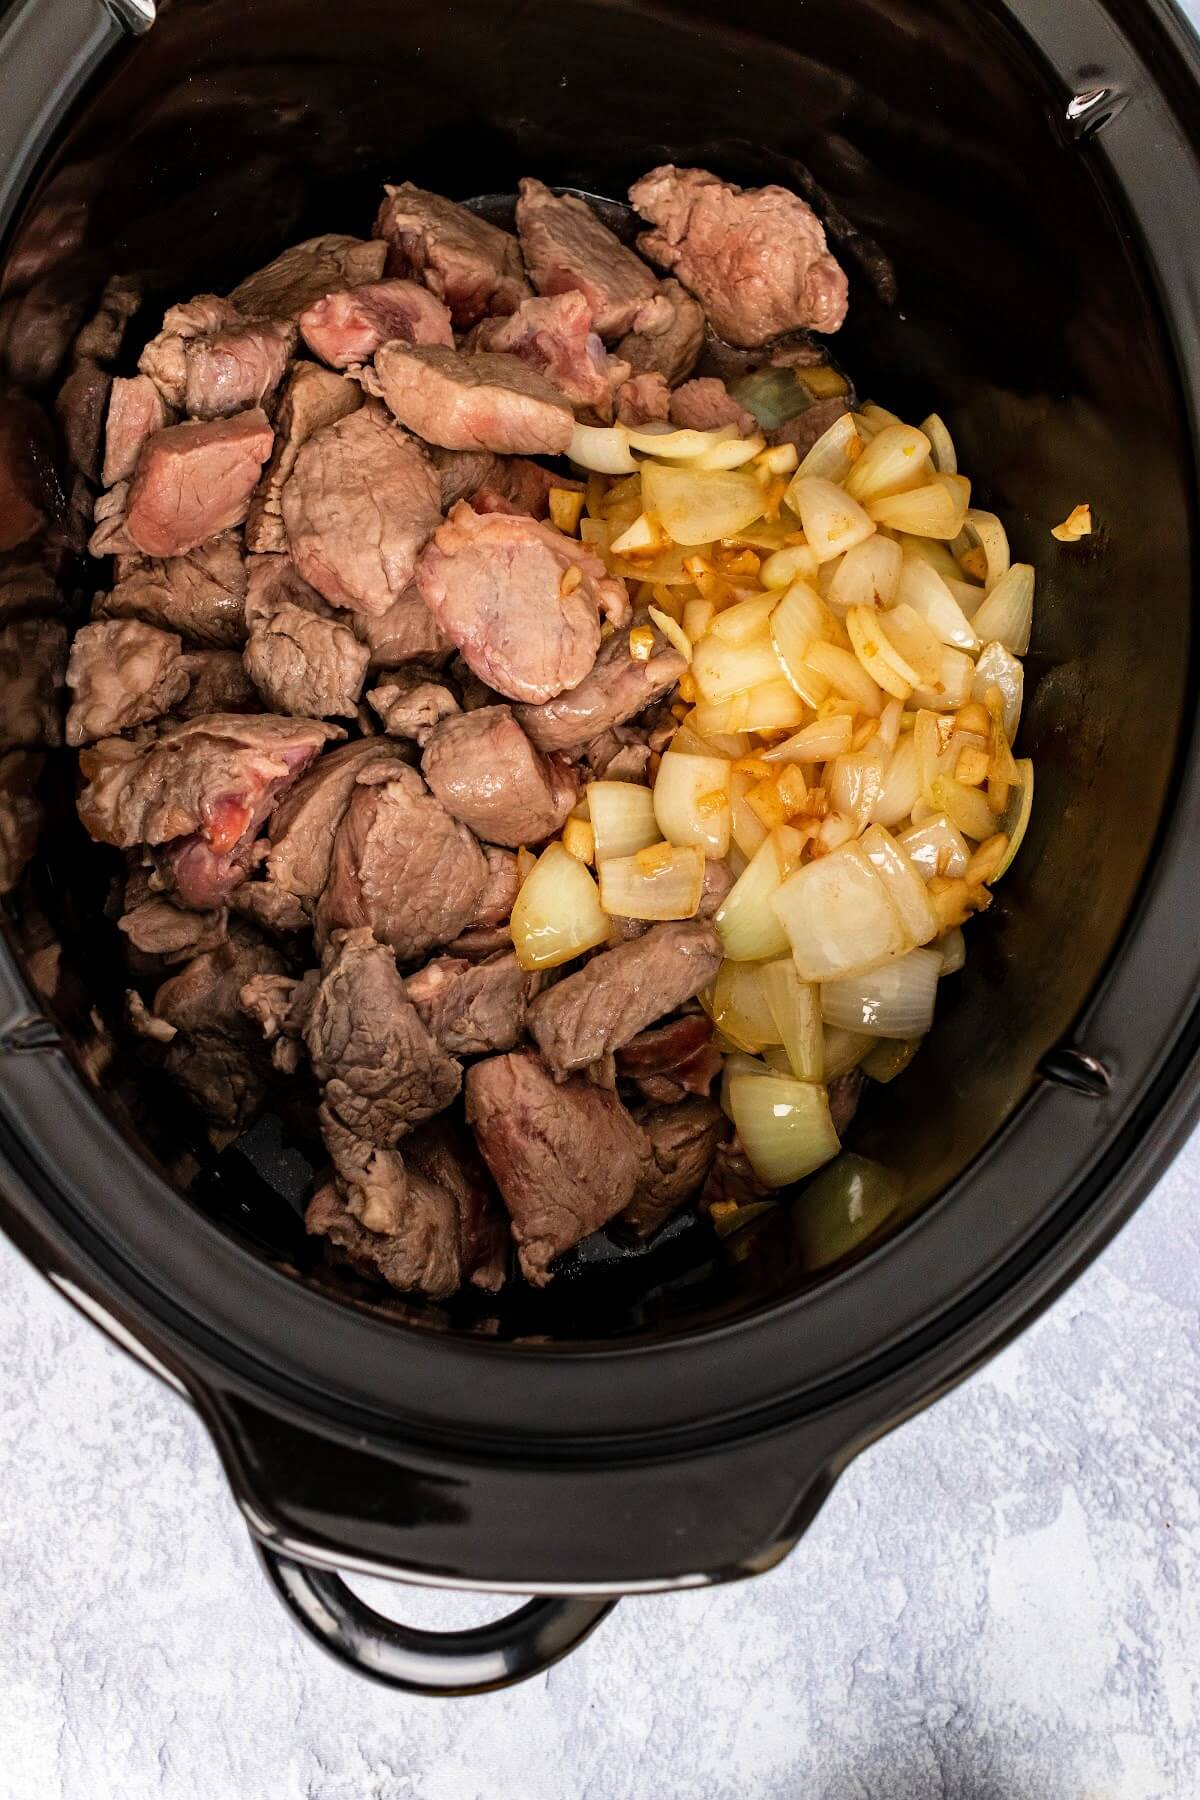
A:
(1021, 311)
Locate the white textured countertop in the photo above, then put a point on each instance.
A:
(1001, 1601)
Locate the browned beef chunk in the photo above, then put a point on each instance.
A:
(417, 1249)
(361, 501)
(104, 333)
(157, 927)
(619, 754)
(109, 536)
(481, 941)
(444, 1152)
(567, 248)
(349, 327)
(306, 272)
(844, 1096)
(706, 405)
(407, 632)
(219, 684)
(567, 1157)
(29, 493)
(717, 883)
(215, 1055)
(554, 335)
(20, 813)
(80, 409)
(136, 410)
(485, 771)
(33, 660)
(303, 825)
(465, 402)
(683, 1141)
(401, 865)
(674, 351)
(311, 399)
(36, 327)
(519, 600)
(473, 267)
(644, 400)
(731, 1178)
(202, 790)
(671, 1060)
(755, 258)
(209, 362)
(495, 903)
(621, 991)
(472, 1009)
(269, 907)
(520, 486)
(380, 1069)
(202, 596)
(808, 426)
(195, 480)
(301, 661)
(412, 702)
(122, 673)
(463, 472)
(279, 1006)
(617, 687)
(29, 581)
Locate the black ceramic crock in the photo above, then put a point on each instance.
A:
(1030, 173)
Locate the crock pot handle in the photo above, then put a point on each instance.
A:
(430, 1662)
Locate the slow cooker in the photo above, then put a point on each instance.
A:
(1014, 189)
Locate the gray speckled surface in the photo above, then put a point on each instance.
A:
(999, 1602)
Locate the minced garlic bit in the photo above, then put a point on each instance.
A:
(579, 840)
(1076, 525)
(641, 643)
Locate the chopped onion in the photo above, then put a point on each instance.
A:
(557, 914)
(691, 801)
(817, 743)
(733, 453)
(784, 1126)
(945, 456)
(698, 615)
(906, 890)
(846, 675)
(954, 951)
(922, 588)
(935, 510)
(749, 832)
(895, 461)
(1016, 820)
(842, 1208)
(832, 456)
(966, 807)
(721, 670)
(774, 706)
(998, 667)
(799, 620)
(740, 1062)
(664, 881)
(698, 505)
(838, 916)
(895, 1001)
(645, 533)
(890, 1057)
(855, 783)
(680, 446)
(832, 521)
(935, 847)
(901, 785)
(953, 686)
(796, 1009)
(868, 575)
(929, 550)
(739, 1009)
(878, 656)
(1007, 614)
(622, 815)
(842, 1051)
(746, 621)
(604, 449)
(985, 529)
(794, 562)
(915, 641)
(878, 416)
(749, 929)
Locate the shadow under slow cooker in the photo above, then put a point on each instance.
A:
(995, 278)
